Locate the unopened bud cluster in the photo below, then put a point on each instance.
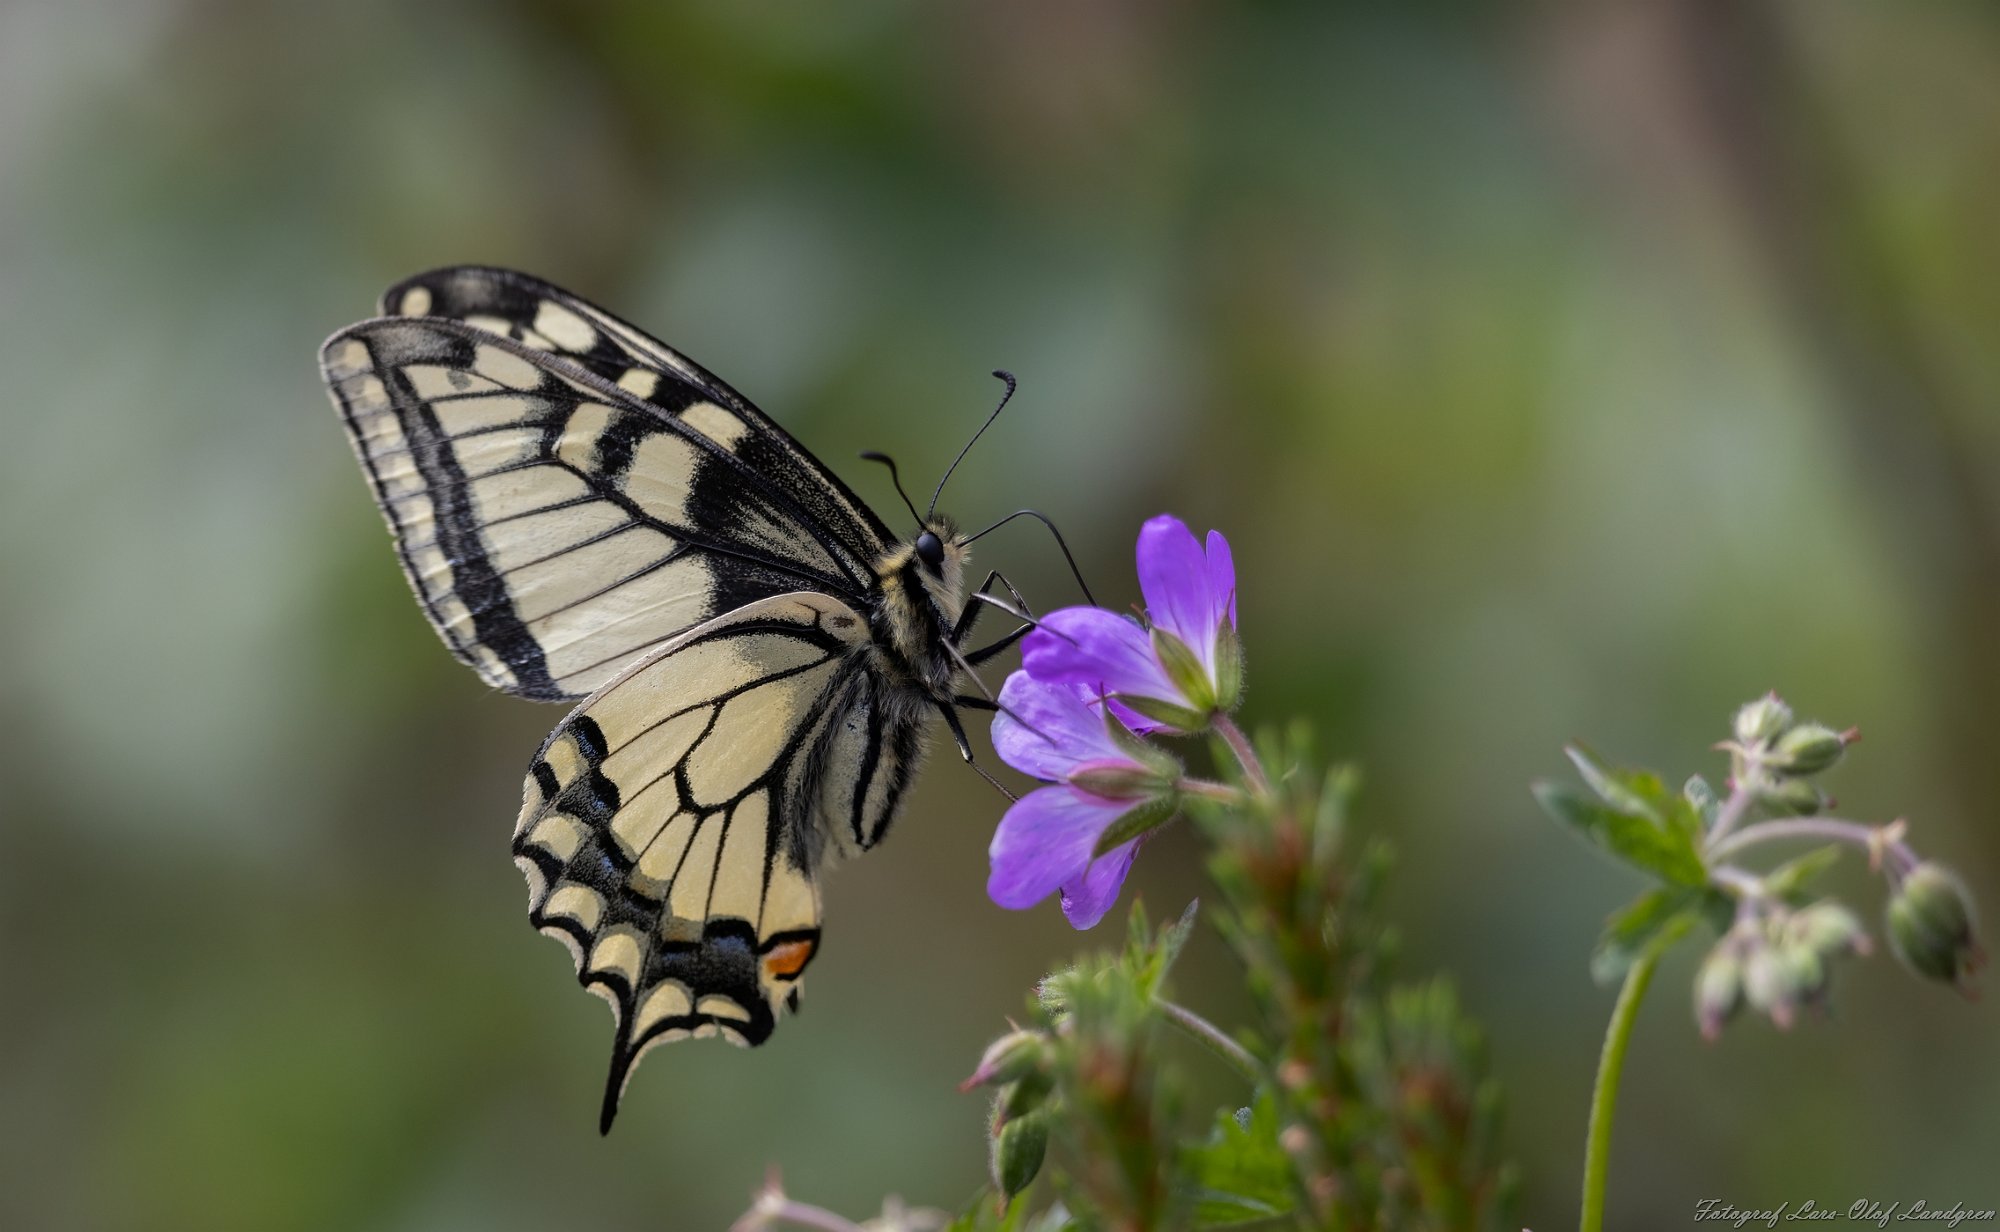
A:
(1777, 962)
(1018, 1064)
(1775, 756)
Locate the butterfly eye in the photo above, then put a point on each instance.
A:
(930, 550)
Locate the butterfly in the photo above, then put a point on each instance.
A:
(586, 516)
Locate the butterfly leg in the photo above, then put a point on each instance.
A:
(965, 745)
(974, 608)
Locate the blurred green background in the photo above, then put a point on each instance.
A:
(1561, 369)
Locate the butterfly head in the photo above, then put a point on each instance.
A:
(934, 562)
(921, 584)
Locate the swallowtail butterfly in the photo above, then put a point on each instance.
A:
(588, 517)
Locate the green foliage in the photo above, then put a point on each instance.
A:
(1652, 923)
(1634, 817)
(1240, 1174)
(1371, 1107)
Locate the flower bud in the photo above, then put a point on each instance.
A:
(1764, 979)
(1931, 925)
(1792, 797)
(1807, 749)
(1030, 1092)
(1119, 780)
(1718, 989)
(1805, 976)
(1018, 1149)
(1762, 720)
(1008, 1059)
(1827, 929)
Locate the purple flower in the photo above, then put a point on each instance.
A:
(1100, 776)
(1179, 668)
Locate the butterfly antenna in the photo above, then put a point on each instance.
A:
(1005, 376)
(1043, 518)
(871, 455)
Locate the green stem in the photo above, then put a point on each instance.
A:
(1604, 1099)
(1246, 754)
(1211, 1037)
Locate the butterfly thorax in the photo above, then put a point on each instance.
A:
(918, 595)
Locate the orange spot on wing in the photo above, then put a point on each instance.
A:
(786, 961)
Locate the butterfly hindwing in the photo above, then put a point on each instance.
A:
(674, 825)
(555, 525)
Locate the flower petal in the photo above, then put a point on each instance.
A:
(1044, 841)
(1058, 726)
(1221, 579)
(1173, 577)
(1098, 649)
(1086, 898)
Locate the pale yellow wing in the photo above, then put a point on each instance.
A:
(673, 826)
(556, 525)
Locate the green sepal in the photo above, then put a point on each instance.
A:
(1228, 667)
(1139, 749)
(1184, 670)
(1144, 819)
(1664, 850)
(1172, 714)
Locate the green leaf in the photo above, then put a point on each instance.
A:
(1653, 921)
(1628, 791)
(1148, 958)
(1662, 847)
(1240, 1174)
(1790, 879)
(1706, 803)
(1174, 936)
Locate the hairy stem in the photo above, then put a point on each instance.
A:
(768, 1214)
(1212, 1038)
(1246, 755)
(1861, 835)
(1731, 814)
(1209, 789)
(1604, 1098)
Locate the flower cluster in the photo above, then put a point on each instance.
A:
(1094, 683)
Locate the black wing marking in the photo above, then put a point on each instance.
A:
(673, 827)
(553, 525)
(547, 318)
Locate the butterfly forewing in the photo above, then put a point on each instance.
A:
(671, 826)
(547, 318)
(554, 525)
